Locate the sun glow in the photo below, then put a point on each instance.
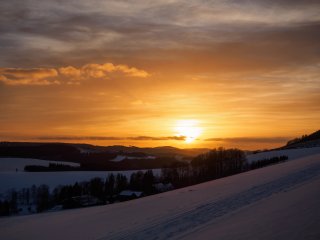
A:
(188, 129)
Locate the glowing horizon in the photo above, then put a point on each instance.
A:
(184, 74)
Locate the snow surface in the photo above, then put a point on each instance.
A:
(118, 158)
(291, 153)
(19, 180)
(13, 164)
(275, 202)
(285, 216)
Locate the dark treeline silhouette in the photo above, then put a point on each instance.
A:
(267, 161)
(97, 191)
(36, 199)
(311, 140)
(143, 182)
(52, 167)
(219, 163)
(296, 140)
(212, 165)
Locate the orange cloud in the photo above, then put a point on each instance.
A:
(70, 71)
(33, 76)
(69, 74)
(134, 72)
(102, 70)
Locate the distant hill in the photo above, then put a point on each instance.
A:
(101, 157)
(312, 140)
(159, 151)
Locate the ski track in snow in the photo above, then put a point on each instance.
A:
(187, 221)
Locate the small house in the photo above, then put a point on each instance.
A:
(126, 195)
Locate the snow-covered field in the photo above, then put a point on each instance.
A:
(19, 180)
(18, 164)
(276, 202)
(291, 153)
(10, 178)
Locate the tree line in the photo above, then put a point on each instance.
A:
(214, 164)
(267, 161)
(103, 191)
(52, 167)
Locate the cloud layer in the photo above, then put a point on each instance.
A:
(68, 33)
(110, 138)
(249, 140)
(68, 75)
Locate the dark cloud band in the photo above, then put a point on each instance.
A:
(109, 138)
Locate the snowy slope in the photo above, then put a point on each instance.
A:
(276, 202)
(284, 216)
(291, 153)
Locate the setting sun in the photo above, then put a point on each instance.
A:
(107, 101)
(173, 73)
(188, 129)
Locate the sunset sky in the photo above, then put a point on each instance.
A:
(152, 73)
